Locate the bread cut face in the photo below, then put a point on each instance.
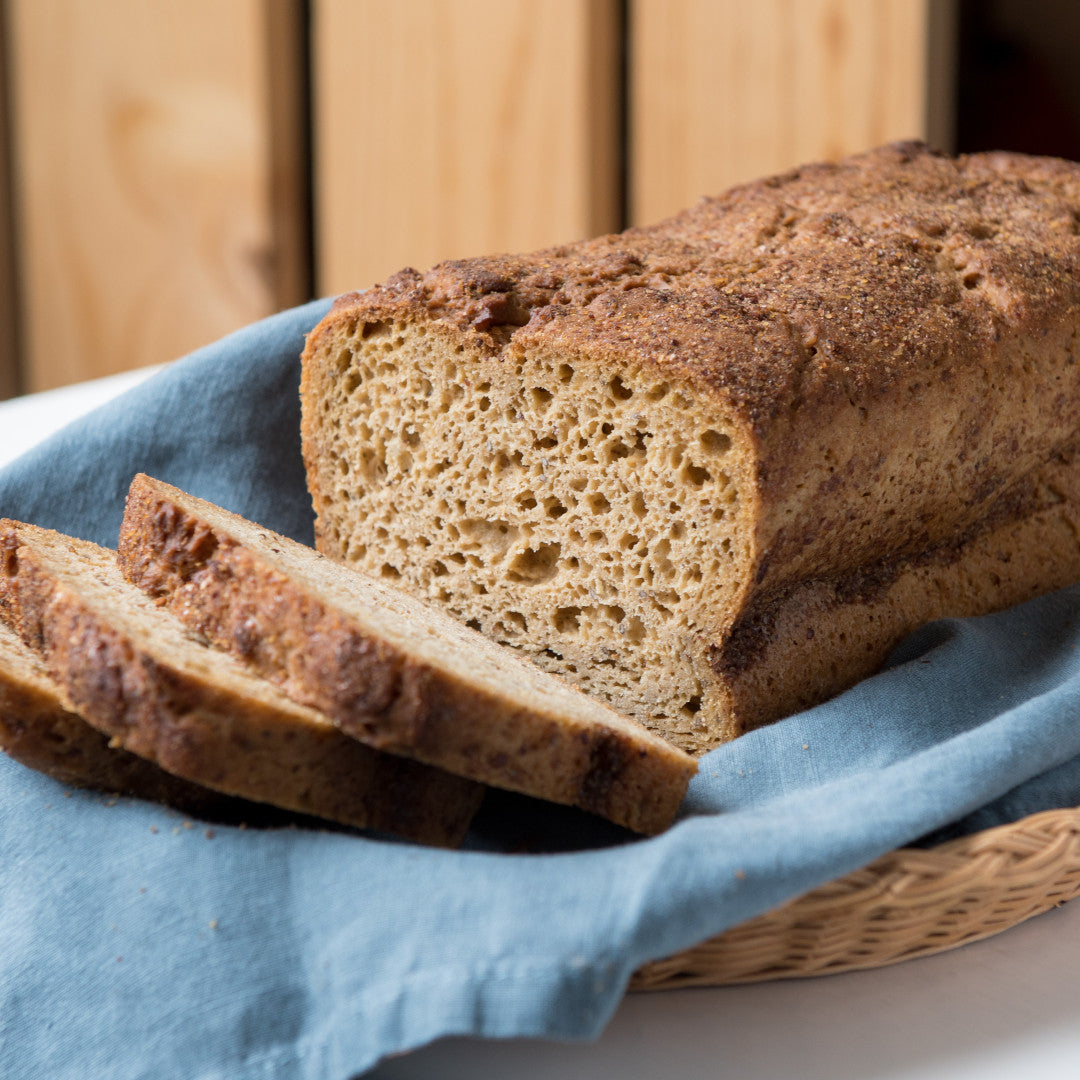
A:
(668, 464)
(401, 675)
(584, 517)
(132, 671)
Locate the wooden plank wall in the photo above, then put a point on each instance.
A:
(723, 91)
(149, 217)
(450, 129)
(9, 362)
(161, 152)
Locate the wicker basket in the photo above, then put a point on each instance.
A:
(906, 904)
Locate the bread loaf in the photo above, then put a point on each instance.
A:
(711, 470)
(130, 669)
(400, 675)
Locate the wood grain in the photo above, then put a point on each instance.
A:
(144, 153)
(444, 130)
(723, 91)
(9, 362)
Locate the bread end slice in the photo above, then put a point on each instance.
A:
(40, 730)
(129, 668)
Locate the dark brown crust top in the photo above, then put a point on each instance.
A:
(833, 282)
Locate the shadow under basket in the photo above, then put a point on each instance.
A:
(906, 904)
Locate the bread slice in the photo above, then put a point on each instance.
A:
(39, 729)
(398, 674)
(133, 672)
(711, 470)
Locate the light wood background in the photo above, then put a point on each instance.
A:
(146, 222)
(181, 169)
(450, 128)
(9, 347)
(724, 92)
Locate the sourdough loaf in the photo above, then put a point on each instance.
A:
(132, 671)
(711, 470)
(400, 675)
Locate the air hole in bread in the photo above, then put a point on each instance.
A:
(715, 442)
(695, 475)
(692, 706)
(535, 565)
(375, 330)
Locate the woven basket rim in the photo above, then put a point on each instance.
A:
(907, 903)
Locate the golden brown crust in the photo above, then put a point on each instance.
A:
(376, 690)
(837, 632)
(202, 728)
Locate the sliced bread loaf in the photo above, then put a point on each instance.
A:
(133, 672)
(401, 675)
(712, 469)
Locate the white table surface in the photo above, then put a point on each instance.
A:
(1001, 1009)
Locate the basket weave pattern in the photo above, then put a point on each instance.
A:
(906, 904)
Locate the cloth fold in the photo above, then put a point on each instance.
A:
(136, 943)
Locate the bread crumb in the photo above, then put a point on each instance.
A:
(740, 874)
(188, 825)
(154, 829)
(213, 924)
(209, 834)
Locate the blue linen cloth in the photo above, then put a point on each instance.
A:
(137, 943)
